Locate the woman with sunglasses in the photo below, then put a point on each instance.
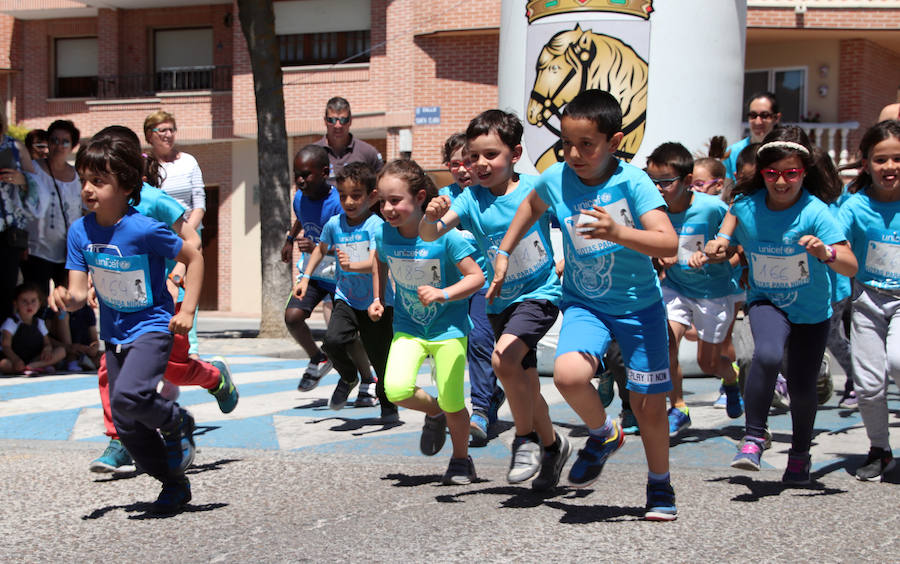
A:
(762, 116)
(57, 204)
(779, 216)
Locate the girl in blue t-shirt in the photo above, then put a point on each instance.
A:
(430, 316)
(125, 252)
(871, 217)
(781, 219)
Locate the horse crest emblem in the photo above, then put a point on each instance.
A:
(585, 44)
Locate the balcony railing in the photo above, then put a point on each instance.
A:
(832, 138)
(177, 79)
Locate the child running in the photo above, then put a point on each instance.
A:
(486, 396)
(430, 319)
(780, 218)
(694, 294)
(527, 307)
(25, 340)
(118, 245)
(352, 234)
(610, 289)
(871, 217)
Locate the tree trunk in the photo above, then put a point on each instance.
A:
(258, 25)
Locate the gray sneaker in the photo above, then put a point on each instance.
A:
(526, 460)
(434, 434)
(460, 472)
(552, 466)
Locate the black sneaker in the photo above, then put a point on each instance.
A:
(460, 472)
(878, 463)
(552, 464)
(173, 497)
(179, 442)
(434, 434)
(341, 393)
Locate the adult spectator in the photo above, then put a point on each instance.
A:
(763, 116)
(13, 216)
(340, 144)
(57, 204)
(180, 177)
(38, 144)
(891, 111)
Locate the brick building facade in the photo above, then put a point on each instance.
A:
(424, 54)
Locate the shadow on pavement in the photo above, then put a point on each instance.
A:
(759, 489)
(211, 466)
(348, 424)
(144, 510)
(408, 481)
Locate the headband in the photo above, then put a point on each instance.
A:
(783, 145)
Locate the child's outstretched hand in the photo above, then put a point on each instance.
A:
(343, 259)
(429, 295)
(437, 207)
(698, 259)
(815, 247)
(603, 228)
(59, 299)
(375, 310)
(181, 322)
(716, 248)
(301, 287)
(501, 263)
(305, 244)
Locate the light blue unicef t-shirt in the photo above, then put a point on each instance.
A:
(452, 191)
(414, 263)
(313, 214)
(531, 274)
(780, 270)
(601, 275)
(730, 161)
(695, 226)
(840, 284)
(873, 230)
(354, 288)
(127, 264)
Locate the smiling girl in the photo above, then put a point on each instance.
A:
(782, 221)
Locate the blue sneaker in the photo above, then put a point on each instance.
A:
(173, 497)
(179, 442)
(629, 423)
(478, 428)
(660, 502)
(496, 403)
(734, 402)
(679, 420)
(593, 456)
(115, 459)
(605, 388)
(749, 456)
(226, 394)
(722, 402)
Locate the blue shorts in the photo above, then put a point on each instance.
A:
(642, 335)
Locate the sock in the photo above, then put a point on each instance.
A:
(657, 478)
(603, 432)
(531, 437)
(557, 443)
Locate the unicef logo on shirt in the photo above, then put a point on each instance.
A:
(605, 198)
(125, 265)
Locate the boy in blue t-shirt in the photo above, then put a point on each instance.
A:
(314, 204)
(352, 235)
(527, 307)
(613, 221)
(694, 294)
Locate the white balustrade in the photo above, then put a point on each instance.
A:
(830, 137)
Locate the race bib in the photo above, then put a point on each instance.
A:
(528, 258)
(883, 254)
(779, 267)
(326, 271)
(357, 251)
(122, 283)
(618, 210)
(412, 273)
(691, 238)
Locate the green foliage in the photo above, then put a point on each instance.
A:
(18, 132)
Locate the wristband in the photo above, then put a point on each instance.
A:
(376, 300)
(502, 252)
(446, 296)
(832, 254)
(290, 238)
(724, 236)
(432, 222)
(176, 279)
(304, 275)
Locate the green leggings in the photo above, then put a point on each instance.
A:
(405, 358)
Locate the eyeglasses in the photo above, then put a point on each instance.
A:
(765, 116)
(664, 182)
(704, 184)
(163, 130)
(457, 164)
(41, 146)
(332, 120)
(61, 142)
(789, 175)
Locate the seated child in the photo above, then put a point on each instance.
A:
(25, 341)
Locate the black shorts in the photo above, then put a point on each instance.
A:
(528, 320)
(314, 294)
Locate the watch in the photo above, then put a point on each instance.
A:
(290, 238)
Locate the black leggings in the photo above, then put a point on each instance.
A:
(804, 344)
